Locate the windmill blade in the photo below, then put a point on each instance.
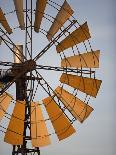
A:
(78, 108)
(87, 85)
(79, 35)
(60, 122)
(5, 100)
(40, 7)
(4, 22)
(19, 11)
(14, 133)
(39, 133)
(85, 60)
(63, 15)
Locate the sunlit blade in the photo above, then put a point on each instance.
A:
(4, 22)
(5, 100)
(86, 60)
(79, 35)
(60, 122)
(14, 133)
(78, 108)
(39, 133)
(63, 15)
(87, 85)
(19, 11)
(40, 7)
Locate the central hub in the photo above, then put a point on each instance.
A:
(17, 70)
(25, 67)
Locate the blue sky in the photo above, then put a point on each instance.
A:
(96, 135)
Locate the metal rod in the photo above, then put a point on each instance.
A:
(10, 48)
(7, 63)
(65, 69)
(11, 42)
(53, 41)
(31, 26)
(50, 91)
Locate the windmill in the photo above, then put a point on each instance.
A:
(77, 74)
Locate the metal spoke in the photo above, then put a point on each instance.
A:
(54, 40)
(7, 63)
(48, 89)
(10, 42)
(65, 69)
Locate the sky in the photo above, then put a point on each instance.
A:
(97, 134)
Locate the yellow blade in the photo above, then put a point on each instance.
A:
(4, 22)
(39, 133)
(78, 108)
(5, 100)
(63, 15)
(14, 133)
(87, 85)
(86, 60)
(79, 35)
(60, 122)
(40, 7)
(19, 11)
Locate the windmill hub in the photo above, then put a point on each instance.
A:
(21, 69)
(25, 67)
